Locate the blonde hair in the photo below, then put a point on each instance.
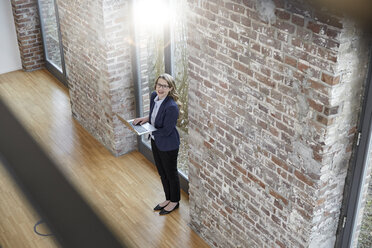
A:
(171, 83)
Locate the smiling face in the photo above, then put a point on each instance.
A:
(162, 88)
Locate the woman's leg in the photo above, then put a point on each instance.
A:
(161, 170)
(169, 163)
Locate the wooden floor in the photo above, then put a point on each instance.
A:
(122, 190)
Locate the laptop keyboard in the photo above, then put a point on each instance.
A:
(139, 128)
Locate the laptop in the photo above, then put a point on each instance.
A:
(138, 129)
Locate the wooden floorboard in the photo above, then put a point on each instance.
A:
(122, 190)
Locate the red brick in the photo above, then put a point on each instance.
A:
(209, 15)
(295, 52)
(278, 56)
(241, 67)
(324, 120)
(256, 180)
(303, 178)
(233, 35)
(282, 36)
(212, 7)
(281, 245)
(325, 42)
(282, 14)
(245, 21)
(273, 131)
(269, 41)
(266, 71)
(262, 124)
(302, 67)
(288, 121)
(290, 61)
(235, 7)
(238, 167)
(278, 204)
(334, 45)
(333, 33)
(223, 85)
(278, 77)
(298, 20)
(266, 51)
(319, 87)
(317, 157)
(282, 173)
(279, 197)
(331, 80)
(266, 80)
(280, 163)
(279, 4)
(331, 111)
(284, 26)
(320, 63)
(352, 130)
(255, 46)
(253, 56)
(315, 27)
(317, 106)
(264, 90)
(224, 22)
(304, 214)
(284, 128)
(328, 19)
(233, 46)
(235, 18)
(212, 44)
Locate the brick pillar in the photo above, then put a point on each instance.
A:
(26, 19)
(275, 94)
(96, 40)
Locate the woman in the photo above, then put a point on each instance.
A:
(165, 141)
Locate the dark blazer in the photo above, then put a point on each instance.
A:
(166, 137)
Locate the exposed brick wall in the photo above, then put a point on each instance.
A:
(26, 19)
(96, 39)
(275, 93)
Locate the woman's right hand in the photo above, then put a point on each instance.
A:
(141, 120)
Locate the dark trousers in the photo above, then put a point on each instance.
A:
(166, 163)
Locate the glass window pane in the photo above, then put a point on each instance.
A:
(149, 27)
(365, 220)
(50, 32)
(150, 49)
(179, 63)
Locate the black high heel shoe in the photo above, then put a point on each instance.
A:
(158, 207)
(163, 211)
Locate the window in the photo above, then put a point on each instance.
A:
(52, 39)
(160, 32)
(356, 230)
(364, 235)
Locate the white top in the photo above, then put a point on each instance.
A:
(155, 111)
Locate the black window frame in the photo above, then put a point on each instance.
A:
(60, 75)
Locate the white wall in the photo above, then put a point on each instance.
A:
(10, 59)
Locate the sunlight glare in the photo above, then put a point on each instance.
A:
(151, 14)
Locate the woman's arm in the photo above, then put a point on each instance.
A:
(141, 120)
(145, 119)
